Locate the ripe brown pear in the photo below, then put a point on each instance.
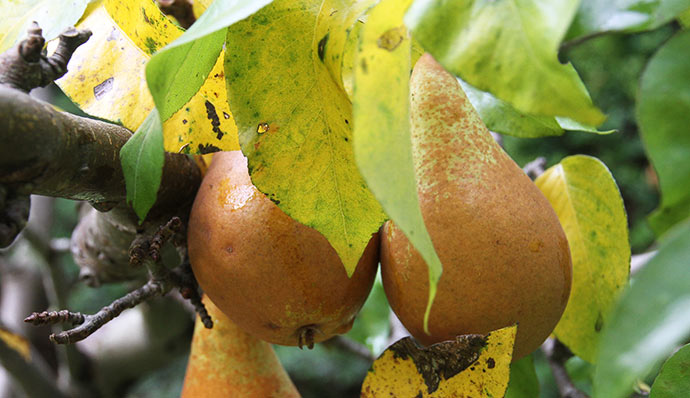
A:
(227, 362)
(273, 276)
(505, 256)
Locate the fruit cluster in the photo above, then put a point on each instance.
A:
(505, 256)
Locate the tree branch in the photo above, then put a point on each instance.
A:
(557, 354)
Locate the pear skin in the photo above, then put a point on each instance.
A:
(227, 362)
(505, 256)
(273, 276)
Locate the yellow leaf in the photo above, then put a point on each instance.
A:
(587, 201)
(472, 366)
(17, 343)
(106, 77)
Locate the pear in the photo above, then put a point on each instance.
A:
(505, 256)
(276, 278)
(227, 362)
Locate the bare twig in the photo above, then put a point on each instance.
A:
(25, 67)
(557, 354)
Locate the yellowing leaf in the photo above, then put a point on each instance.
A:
(472, 366)
(17, 343)
(587, 201)
(294, 122)
(106, 77)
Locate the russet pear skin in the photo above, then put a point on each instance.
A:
(225, 361)
(505, 256)
(271, 275)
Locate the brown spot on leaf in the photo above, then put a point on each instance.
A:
(208, 148)
(322, 47)
(391, 39)
(442, 360)
(215, 120)
(490, 363)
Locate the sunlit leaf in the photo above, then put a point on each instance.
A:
(663, 113)
(523, 379)
(142, 160)
(295, 122)
(382, 143)
(17, 343)
(674, 379)
(508, 50)
(52, 16)
(684, 18)
(650, 320)
(501, 117)
(596, 16)
(472, 366)
(590, 208)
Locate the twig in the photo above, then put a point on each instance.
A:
(557, 354)
(25, 66)
(182, 10)
(143, 251)
(349, 345)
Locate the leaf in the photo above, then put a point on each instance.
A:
(523, 379)
(294, 122)
(684, 18)
(663, 113)
(590, 208)
(674, 379)
(52, 16)
(142, 159)
(507, 50)
(382, 141)
(595, 16)
(472, 366)
(107, 77)
(649, 321)
(501, 117)
(176, 73)
(17, 343)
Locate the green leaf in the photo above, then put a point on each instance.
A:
(674, 379)
(523, 379)
(175, 73)
(684, 18)
(587, 201)
(662, 112)
(294, 123)
(507, 50)
(382, 143)
(501, 117)
(596, 16)
(52, 16)
(650, 320)
(142, 159)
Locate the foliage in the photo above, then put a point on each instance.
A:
(314, 92)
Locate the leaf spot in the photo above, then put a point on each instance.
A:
(262, 128)
(322, 47)
(391, 38)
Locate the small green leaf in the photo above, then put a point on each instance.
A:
(295, 123)
(596, 16)
(684, 18)
(176, 72)
(52, 16)
(662, 113)
(674, 379)
(142, 159)
(649, 321)
(382, 144)
(587, 201)
(508, 50)
(501, 117)
(523, 379)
